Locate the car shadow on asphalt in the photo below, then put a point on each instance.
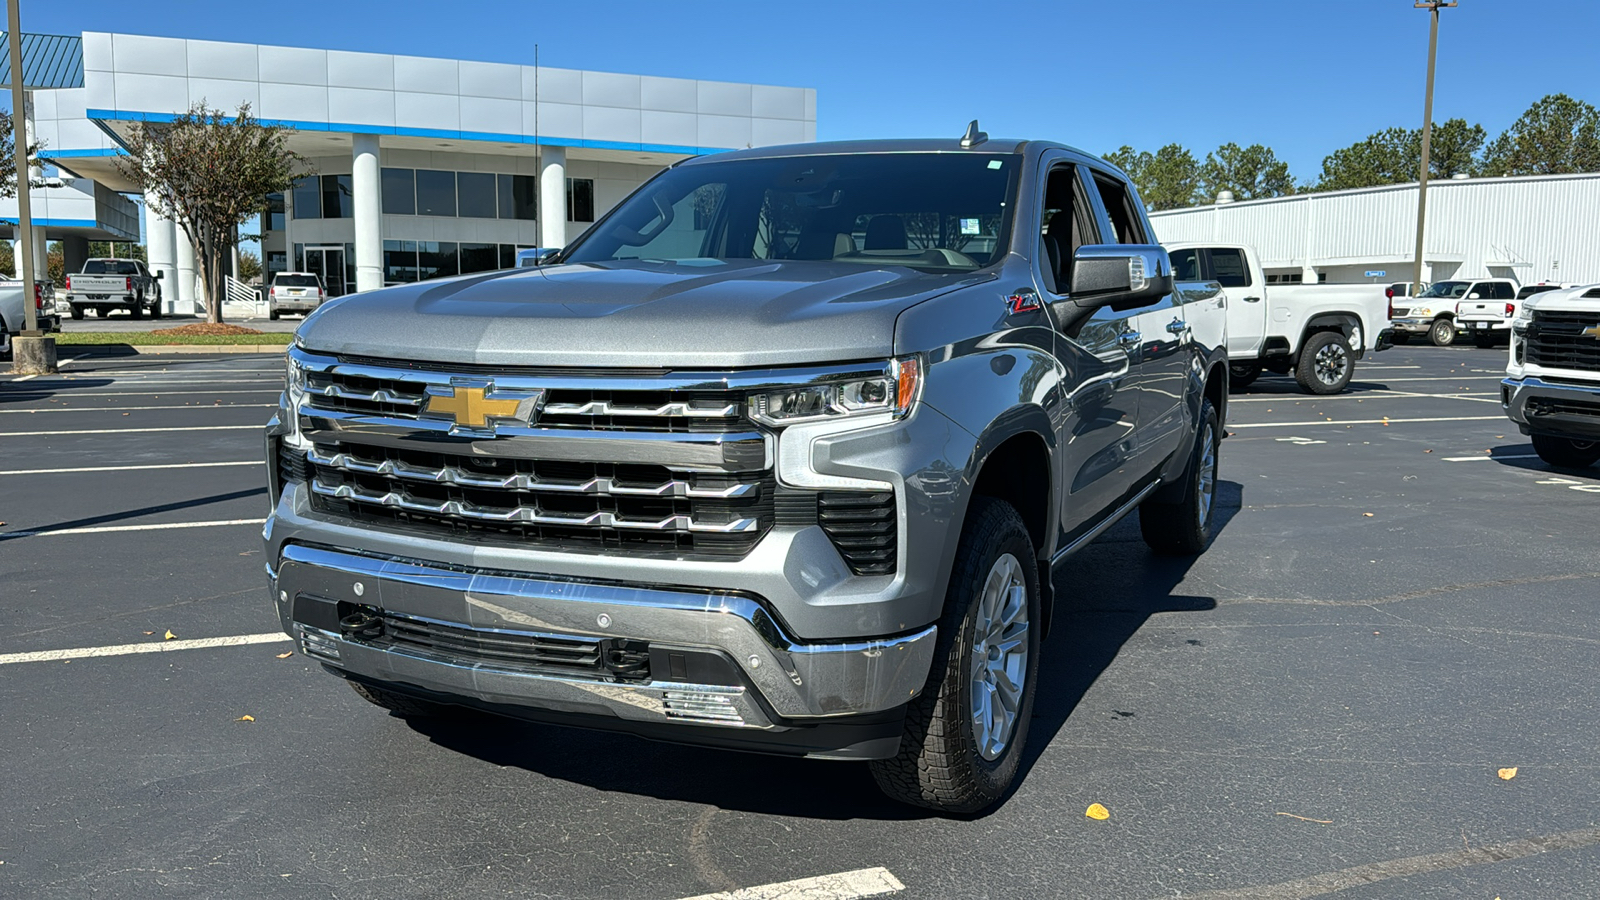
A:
(146, 511)
(1105, 595)
(1523, 456)
(26, 392)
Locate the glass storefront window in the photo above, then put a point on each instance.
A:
(274, 216)
(436, 259)
(399, 262)
(336, 197)
(399, 192)
(299, 258)
(519, 197)
(508, 256)
(477, 194)
(436, 193)
(479, 257)
(580, 199)
(307, 198)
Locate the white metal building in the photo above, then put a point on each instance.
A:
(424, 167)
(1533, 229)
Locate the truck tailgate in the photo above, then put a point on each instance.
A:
(100, 284)
(1481, 310)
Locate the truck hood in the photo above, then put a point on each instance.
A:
(703, 314)
(1585, 298)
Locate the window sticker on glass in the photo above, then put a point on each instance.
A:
(969, 226)
(994, 164)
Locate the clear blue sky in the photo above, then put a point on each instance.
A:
(1302, 77)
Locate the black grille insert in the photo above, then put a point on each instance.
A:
(1556, 340)
(611, 660)
(862, 526)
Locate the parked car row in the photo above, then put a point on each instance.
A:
(1483, 309)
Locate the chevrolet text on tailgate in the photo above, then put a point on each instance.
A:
(778, 456)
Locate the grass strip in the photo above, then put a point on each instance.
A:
(149, 339)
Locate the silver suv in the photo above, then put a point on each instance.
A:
(779, 456)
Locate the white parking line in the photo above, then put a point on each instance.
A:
(1487, 456)
(76, 394)
(104, 529)
(79, 409)
(237, 640)
(1448, 378)
(1359, 421)
(248, 462)
(27, 377)
(843, 886)
(6, 434)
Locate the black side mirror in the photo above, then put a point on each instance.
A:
(159, 273)
(1122, 276)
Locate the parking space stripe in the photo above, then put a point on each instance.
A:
(76, 394)
(1364, 422)
(1487, 456)
(237, 640)
(6, 434)
(79, 409)
(104, 529)
(873, 882)
(205, 465)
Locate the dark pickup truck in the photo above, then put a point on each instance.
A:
(778, 456)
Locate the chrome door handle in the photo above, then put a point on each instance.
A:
(1177, 326)
(1252, 299)
(1129, 337)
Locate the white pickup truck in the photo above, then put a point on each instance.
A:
(108, 284)
(13, 312)
(1552, 385)
(1487, 319)
(1437, 311)
(1315, 331)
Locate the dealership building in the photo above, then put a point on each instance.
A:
(421, 167)
(1533, 229)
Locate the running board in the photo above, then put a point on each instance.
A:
(1105, 523)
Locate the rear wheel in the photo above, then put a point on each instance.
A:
(1442, 333)
(1242, 375)
(1565, 452)
(1483, 340)
(136, 311)
(1183, 528)
(964, 733)
(77, 311)
(5, 341)
(1326, 364)
(272, 313)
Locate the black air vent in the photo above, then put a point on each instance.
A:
(861, 525)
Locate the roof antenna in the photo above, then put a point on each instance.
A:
(973, 137)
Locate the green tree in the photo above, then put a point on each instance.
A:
(1393, 156)
(207, 172)
(1557, 135)
(117, 250)
(1166, 179)
(249, 267)
(8, 263)
(1251, 173)
(55, 264)
(8, 160)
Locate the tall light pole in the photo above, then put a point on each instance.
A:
(1433, 6)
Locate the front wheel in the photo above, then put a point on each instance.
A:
(1184, 528)
(964, 733)
(136, 311)
(1565, 452)
(1326, 364)
(1443, 332)
(1242, 375)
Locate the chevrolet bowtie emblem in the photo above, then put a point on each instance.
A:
(481, 407)
(1592, 331)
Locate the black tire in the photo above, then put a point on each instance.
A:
(272, 313)
(1242, 375)
(136, 311)
(77, 312)
(1484, 340)
(402, 705)
(1400, 337)
(1442, 333)
(155, 309)
(1185, 527)
(5, 341)
(1565, 452)
(1326, 364)
(940, 765)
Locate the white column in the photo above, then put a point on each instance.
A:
(158, 235)
(366, 203)
(553, 197)
(40, 253)
(188, 296)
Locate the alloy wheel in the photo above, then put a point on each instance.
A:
(999, 666)
(1331, 363)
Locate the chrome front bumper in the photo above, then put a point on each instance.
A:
(1545, 407)
(781, 683)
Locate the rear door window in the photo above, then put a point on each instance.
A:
(1228, 267)
(1186, 265)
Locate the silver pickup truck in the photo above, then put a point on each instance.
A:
(13, 312)
(779, 456)
(105, 285)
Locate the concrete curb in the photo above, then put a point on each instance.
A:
(79, 350)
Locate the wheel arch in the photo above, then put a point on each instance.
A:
(1016, 461)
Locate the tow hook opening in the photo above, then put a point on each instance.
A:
(360, 623)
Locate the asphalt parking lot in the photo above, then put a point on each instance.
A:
(1401, 602)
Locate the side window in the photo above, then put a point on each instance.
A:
(1186, 265)
(1119, 207)
(1065, 225)
(1228, 268)
(1504, 291)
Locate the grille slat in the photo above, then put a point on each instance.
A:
(1556, 340)
(862, 526)
(516, 650)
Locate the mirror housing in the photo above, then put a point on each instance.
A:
(159, 273)
(1474, 296)
(1122, 276)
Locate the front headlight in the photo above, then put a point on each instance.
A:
(1424, 311)
(894, 392)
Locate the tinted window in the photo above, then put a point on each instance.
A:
(436, 259)
(399, 192)
(1228, 268)
(477, 194)
(301, 281)
(580, 199)
(110, 267)
(1504, 291)
(935, 212)
(479, 258)
(1186, 265)
(307, 197)
(1119, 206)
(336, 197)
(518, 196)
(1446, 290)
(399, 262)
(436, 193)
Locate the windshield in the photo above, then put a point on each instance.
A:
(937, 212)
(1451, 290)
(309, 281)
(109, 267)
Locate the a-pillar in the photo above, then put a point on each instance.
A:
(366, 203)
(189, 301)
(553, 198)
